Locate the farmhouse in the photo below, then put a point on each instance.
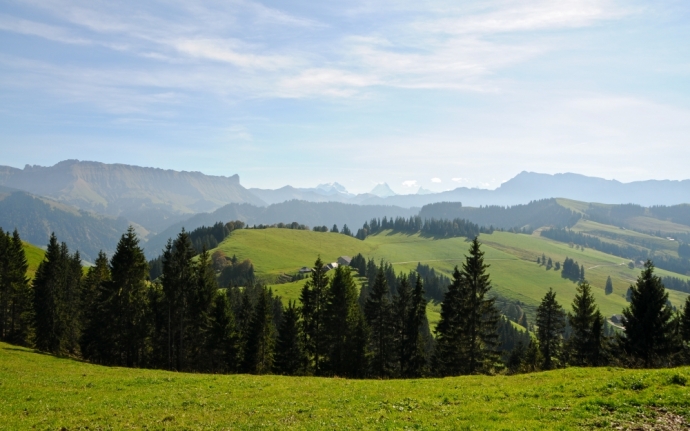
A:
(344, 260)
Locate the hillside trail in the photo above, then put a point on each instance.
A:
(613, 264)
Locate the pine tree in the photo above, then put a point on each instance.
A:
(449, 330)
(582, 273)
(200, 307)
(15, 291)
(481, 315)
(402, 310)
(379, 319)
(550, 326)
(334, 229)
(178, 279)
(587, 328)
(260, 348)
(343, 316)
(47, 326)
(70, 309)
(609, 286)
(94, 341)
(221, 342)
(647, 320)
(126, 306)
(418, 336)
(313, 297)
(289, 357)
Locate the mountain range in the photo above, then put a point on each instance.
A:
(88, 204)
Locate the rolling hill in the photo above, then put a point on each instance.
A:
(45, 392)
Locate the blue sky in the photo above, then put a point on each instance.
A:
(437, 94)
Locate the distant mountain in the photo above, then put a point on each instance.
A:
(309, 213)
(524, 188)
(423, 191)
(154, 198)
(35, 218)
(382, 190)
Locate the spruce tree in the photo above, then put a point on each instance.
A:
(289, 357)
(47, 285)
(587, 328)
(550, 326)
(15, 290)
(343, 316)
(418, 334)
(70, 303)
(609, 286)
(221, 341)
(313, 298)
(260, 348)
(5, 288)
(95, 341)
(126, 306)
(449, 330)
(200, 307)
(685, 321)
(178, 280)
(379, 319)
(402, 310)
(647, 338)
(481, 315)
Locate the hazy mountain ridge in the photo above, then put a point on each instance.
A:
(530, 186)
(35, 218)
(152, 197)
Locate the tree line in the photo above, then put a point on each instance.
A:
(115, 315)
(438, 228)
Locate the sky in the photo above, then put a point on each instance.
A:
(433, 94)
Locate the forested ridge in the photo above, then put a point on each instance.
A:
(115, 315)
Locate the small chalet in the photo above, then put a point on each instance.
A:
(344, 260)
(305, 270)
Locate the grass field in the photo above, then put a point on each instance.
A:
(514, 271)
(43, 392)
(34, 257)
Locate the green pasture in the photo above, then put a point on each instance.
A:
(39, 391)
(34, 257)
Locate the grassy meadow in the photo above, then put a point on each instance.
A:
(44, 392)
(34, 257)
(514, 271)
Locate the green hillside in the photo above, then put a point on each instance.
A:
(34, 257)
(514, 271)
(43, 392)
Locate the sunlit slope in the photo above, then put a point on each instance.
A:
(34, 257)
(43, 392)
(514, 271)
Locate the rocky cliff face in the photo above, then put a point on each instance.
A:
(153, 198)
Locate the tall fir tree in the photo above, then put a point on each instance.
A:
(15, 290)
(127, 305)
(587, 328)
(178, 280)
(609, 286)
(289, 358)
(449, 330)
(95, 341)
(481, 315)
(379, 317)
(402, 310)
(200, 307)
(221, 341)
(260, 349)
(419, 337)
(550, 327)
(685, 321)
(647, 321)
(313, 298)
(343, 317)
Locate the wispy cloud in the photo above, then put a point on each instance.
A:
(436, 180)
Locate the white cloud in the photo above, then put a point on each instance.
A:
(436, 180)
(460, 180)
(410, 183)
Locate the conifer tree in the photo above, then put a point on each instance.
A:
(647, 321)
(402, 308)
(15, 291)
(289, 357)
(95, 341)
(685, 321)
(260, 348)
(313, 297)
(418, 334)
(609, 286)
(481, 315)
(379, 319)
(449, 330)
(221, 342)
(343, 316)
(587, 328)
(550, 326)
(178, 280)
(200, 307)
(126, 305)
(47, 326)
(70, 303)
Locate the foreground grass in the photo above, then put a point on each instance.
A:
(43, 392)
